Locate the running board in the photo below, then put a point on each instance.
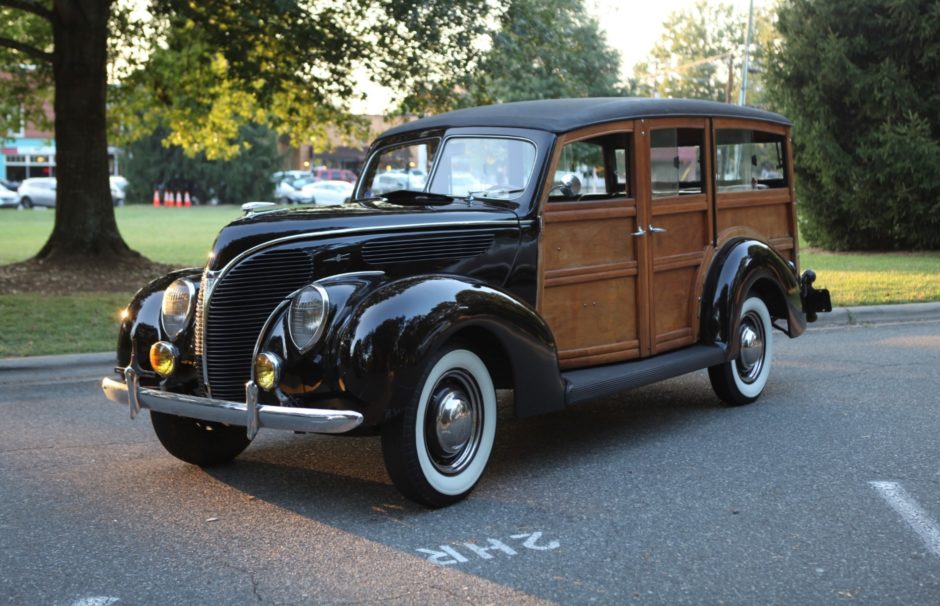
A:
(600, 381)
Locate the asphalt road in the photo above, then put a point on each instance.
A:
(826, 491)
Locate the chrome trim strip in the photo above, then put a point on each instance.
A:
(252, 421)
(314, 420)
(130, 378)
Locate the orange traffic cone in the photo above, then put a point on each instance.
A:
(187, 201)
(167, 198)
(179, 199)
(156, 198)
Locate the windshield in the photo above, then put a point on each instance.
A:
(486, 167)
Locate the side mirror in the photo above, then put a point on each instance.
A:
(570, 185)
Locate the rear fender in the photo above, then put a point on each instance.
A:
(740, 267)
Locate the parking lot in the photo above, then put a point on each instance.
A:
(827, 490)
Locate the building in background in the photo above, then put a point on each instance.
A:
(342, 154)
(30, 152)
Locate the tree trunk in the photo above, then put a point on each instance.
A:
(84, 214)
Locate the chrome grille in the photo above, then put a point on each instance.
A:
(239, 305)
(435, 248)
(200, 301)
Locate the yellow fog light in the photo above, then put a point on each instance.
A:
(267, 371)
(163, 357)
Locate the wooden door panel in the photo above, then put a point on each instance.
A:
(580, 240)
(589, 321)
(590, 285)
(674, 311)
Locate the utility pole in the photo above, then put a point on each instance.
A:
(747, 55)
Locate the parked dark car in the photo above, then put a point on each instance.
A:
(567, 250)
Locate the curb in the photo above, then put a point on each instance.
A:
(63, 361)
(879, 314)
(840, 316)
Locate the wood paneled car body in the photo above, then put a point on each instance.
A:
(565, 249)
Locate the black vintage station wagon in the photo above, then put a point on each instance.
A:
(565, 249)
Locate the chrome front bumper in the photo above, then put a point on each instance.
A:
(250, 414)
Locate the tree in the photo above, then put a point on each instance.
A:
(203, 69)
(151, 164)
(861, 81)
(542, 49)
(701, 53)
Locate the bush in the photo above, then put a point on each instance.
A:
(861, 81)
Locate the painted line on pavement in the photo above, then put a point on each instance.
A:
(911, 512)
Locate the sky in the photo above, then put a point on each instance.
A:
(642, 19)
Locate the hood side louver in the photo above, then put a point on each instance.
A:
(435, 248)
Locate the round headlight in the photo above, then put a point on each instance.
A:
(267, 371)
(163, 357)
(177, 308)
(307, 316)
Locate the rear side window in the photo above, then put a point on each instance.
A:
(748, 160)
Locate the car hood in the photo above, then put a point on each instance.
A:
(325, 222)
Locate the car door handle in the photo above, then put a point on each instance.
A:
(657, 230)
(639, 232)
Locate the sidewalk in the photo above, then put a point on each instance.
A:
(840, 316)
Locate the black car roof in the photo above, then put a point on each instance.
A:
(562, 115)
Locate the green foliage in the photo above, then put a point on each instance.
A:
(701, 53)
(152, 164)
(25, 85)
(215, 65)
(543, 49)
(861, 80)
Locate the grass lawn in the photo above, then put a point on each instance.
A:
(176, 236)
(873, 278)
(32, 324)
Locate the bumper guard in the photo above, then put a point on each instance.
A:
(249, 414)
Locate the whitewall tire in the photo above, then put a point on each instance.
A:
(438, 449)
(742, 380)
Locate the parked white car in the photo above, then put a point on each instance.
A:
(118, 189)
(328, 193)
(8, 198)
(291, 191)
(37, 191)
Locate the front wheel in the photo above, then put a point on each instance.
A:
(741, 380)
(26, 203)
(437, 450)
(202, 443)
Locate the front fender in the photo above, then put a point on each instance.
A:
(141, 327)
(392, 331)
(743, 265)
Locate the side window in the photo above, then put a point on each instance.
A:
(749, 159)
(676, 161)
(592, 169)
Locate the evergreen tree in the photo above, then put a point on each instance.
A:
(861, 81)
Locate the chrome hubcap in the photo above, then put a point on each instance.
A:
(453, 422)
(751, 337)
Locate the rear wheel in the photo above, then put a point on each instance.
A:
(437, 450)
(742, 380)
(202, 443)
